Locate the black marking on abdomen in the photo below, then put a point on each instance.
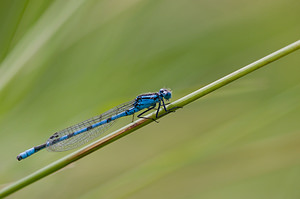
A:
(70, 135)
(37, 148)
(89, 127)
(127, 112)
(55, 141)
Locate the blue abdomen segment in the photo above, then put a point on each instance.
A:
(30, 151)
(26, 153)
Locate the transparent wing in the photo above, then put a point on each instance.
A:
(82, 138)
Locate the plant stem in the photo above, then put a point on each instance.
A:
(237, 74)
(55, 166)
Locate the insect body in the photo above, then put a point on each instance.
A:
(85, 131)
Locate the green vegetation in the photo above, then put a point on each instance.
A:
(65, 61)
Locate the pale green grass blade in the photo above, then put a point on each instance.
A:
(36, 38)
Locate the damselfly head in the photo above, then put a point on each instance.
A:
(166, 93)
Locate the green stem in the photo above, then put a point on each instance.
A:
(237, 74)
(55, 166)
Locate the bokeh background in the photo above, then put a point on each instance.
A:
(65, 61)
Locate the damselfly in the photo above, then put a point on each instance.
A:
(85, 131)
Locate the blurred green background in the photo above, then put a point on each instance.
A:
(65, 61)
